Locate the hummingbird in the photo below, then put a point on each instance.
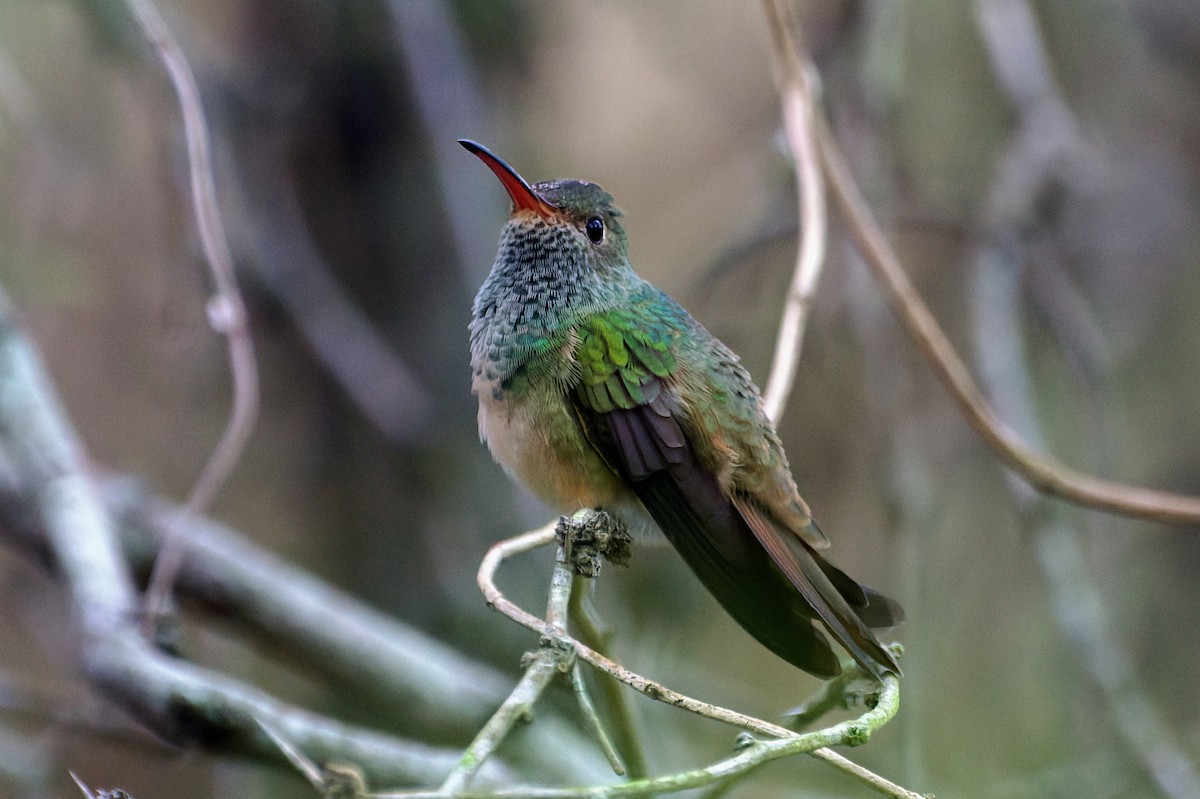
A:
(597, 390)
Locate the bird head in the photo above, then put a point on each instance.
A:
(574, 223)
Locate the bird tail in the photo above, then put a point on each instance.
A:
(766, 577)
(846, 609)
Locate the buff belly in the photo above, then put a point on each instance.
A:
(539, 442)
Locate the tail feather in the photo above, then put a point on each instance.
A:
(807, 572)
(876, 610)
(715, 543)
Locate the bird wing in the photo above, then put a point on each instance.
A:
(627, 404)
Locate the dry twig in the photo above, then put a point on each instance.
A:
(787, 742)
(226, 311)
(796, 82)
(1043, 473)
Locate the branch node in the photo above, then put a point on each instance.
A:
(744, 741)
(343, 781)
(557, 647)
(523, 714)
(857, 734)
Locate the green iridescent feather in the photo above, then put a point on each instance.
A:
(620, 354)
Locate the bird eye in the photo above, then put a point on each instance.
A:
(595, 229)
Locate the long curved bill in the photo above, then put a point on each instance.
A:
(524, 198)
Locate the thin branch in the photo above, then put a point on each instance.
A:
(835, 694)
(554, 657)
(866, 776)
(299, 760)
(115, 793)
(1043, 473)
(386, 390)
(533, 539)
(548, 661)
(332, 781)
(449, 103)
(226, 311)
(495, 598)
(584, 700)
(796, 94)
(617, 700)
(753, 753)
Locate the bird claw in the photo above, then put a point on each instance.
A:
(589, 536)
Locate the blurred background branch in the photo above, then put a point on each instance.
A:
(177, 699)
(1046, 155)
(225, 310)
(1042, 472)
(797, 89)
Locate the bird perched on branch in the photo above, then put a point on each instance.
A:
(598, 390)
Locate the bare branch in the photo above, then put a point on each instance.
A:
(796, 79)
(449, 104)
(226, 311)
(1043, 473)
(542, 536)
(618, 702)
(377, 380)
(316, 624)
(753, 753)
(179, 700)
(543, 665)
(788, 741)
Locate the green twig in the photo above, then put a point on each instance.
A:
(753, 753)
(616, 700)
(594, 723)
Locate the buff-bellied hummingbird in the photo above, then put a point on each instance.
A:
(597, 390)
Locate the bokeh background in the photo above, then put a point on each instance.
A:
(1042, 639)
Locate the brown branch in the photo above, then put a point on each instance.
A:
(1045, 140)
(226, 311)
(1043, 473)
(796, 80)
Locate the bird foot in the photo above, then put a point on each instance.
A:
(589, 536)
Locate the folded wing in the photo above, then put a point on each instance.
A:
(768, 579)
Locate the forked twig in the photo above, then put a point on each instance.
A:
(553, 657)
(542, 536)
(756, 752)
